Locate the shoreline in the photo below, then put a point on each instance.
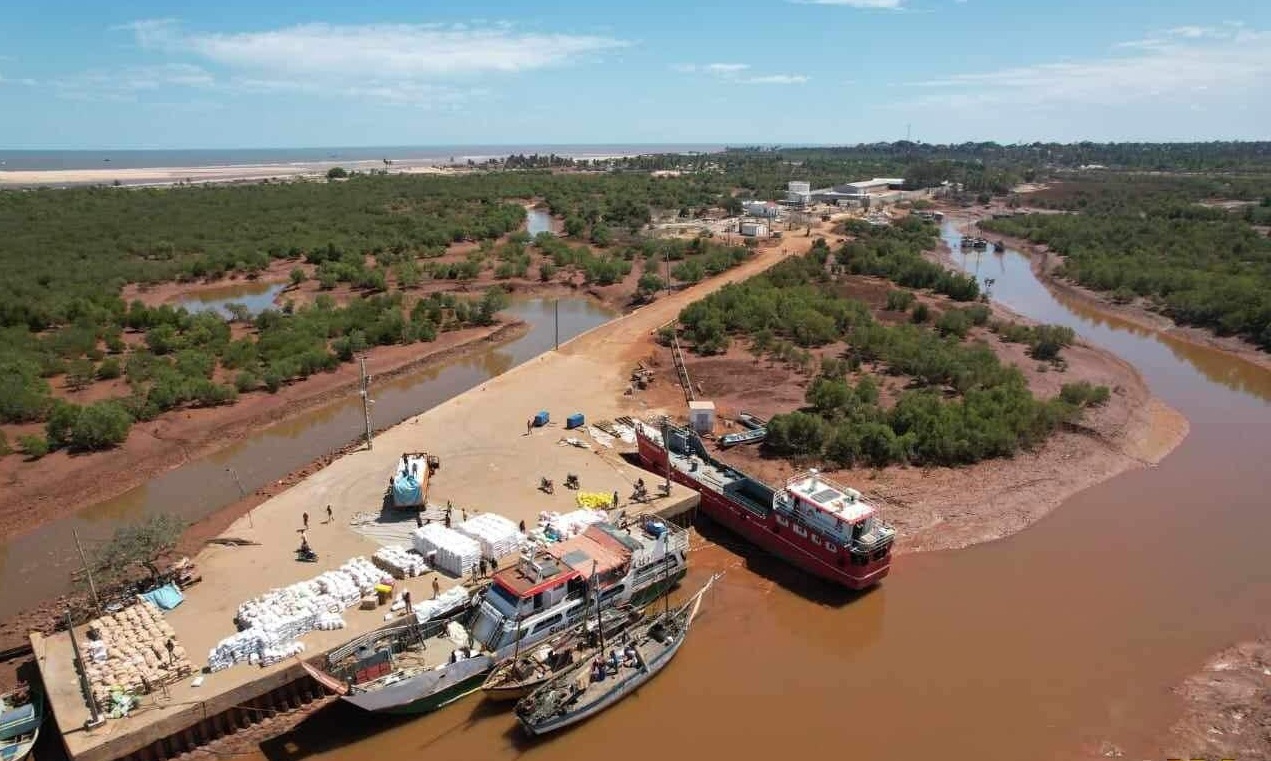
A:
(1225, 712)
(1044, 261)
(115, 472)
(948, 508)
(198, 175)
(162, 176)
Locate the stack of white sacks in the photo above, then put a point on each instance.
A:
(400, 562)
(498, 536)
(455, 553)
(271, 623)
(449, 600)
(571, 524)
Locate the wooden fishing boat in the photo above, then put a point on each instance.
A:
(20, 718)
(523, 673)
(587, 688)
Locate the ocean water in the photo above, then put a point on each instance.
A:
(133, 159)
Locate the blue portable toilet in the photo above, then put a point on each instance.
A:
(541, 419)
(575, 420)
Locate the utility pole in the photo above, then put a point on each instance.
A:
(242, 493)
(556, 307)
(92, 585)
(95, 718)
(366, 399)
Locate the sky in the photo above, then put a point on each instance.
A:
(133, 74)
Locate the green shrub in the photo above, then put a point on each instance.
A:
(899, 301)
(921, 314)
(1083, 393)
(33, 446)
(109, 369)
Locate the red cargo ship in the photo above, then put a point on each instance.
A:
(824, 528)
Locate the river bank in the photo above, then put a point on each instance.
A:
(941, 508)
(61, 483)
(1226, 713)
(1045, 262)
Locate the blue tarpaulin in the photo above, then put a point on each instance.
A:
(407, 490)
(166, 597)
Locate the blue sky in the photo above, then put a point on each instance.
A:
(139, 74)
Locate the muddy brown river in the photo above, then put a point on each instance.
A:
(37, 565)
(1040, 646)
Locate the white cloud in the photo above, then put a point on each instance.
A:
(419, 64)
(415, 52)
(877, 4)
(722, 69)
(1170, 67)
(127, 83)
(731, 72)
(777, 79)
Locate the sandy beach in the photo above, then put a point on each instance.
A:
(198, 174)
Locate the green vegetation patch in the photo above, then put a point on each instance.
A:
(960, 404)
(1199, 266)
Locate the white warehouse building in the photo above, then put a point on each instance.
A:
(765, 209)
(798, 192)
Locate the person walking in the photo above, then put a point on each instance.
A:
(305, 518)
(615, 499)
(529, 426)
(330, 515)
(410, 610)
(436, 588)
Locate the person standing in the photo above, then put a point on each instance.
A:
(615, 499)
(419, 521)
(436, 588)
(410, 610)
(330, 515)
(305, 517)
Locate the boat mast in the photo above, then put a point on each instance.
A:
(600, 626)
(666, 447)
(666, 573)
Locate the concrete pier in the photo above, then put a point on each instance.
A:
(489, 463)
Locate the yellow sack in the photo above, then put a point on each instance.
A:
(591, 500)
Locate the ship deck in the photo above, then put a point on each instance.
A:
(720, 477)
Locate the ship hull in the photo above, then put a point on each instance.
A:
(426, 692)
(770, 532)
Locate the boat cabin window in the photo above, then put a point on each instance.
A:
(858, 530)
(503, 601)
(612, 592)
(547, 623)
